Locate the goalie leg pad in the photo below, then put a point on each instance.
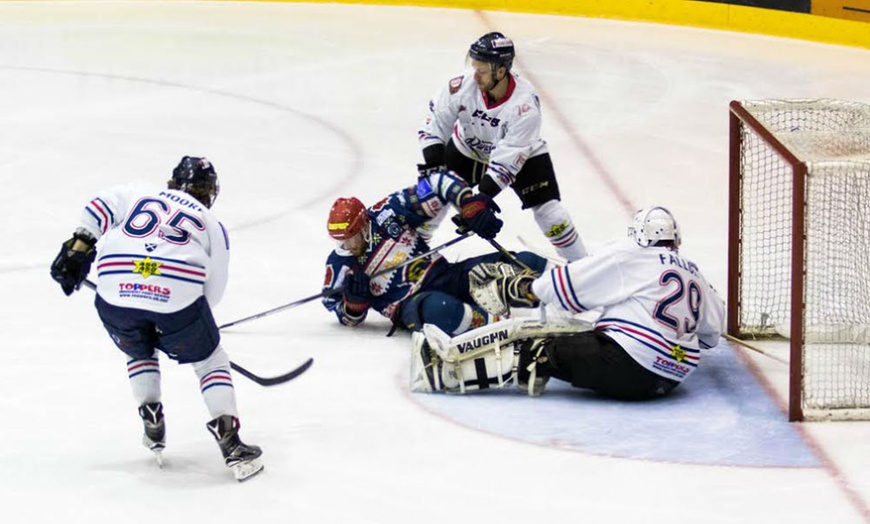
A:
(480, 359)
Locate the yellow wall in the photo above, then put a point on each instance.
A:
(850, 9)
(678, 12)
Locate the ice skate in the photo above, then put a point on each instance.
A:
(154, 437)
(242, 459)
(532, 354)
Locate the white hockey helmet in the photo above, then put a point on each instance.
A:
(653, 224)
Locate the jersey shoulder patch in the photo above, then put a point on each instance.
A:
(455, 84)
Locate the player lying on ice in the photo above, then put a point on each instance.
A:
(657, 312)
(429, 290)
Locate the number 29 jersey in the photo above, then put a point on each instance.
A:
(160, 249)
(655, 304)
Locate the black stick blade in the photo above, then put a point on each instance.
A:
(273, 381)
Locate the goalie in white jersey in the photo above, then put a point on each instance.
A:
(486, 126)
(162, 268)
(657, 314)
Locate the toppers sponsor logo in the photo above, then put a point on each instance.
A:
(329, 278)
(128, 287)
(674, 367)
(483, 340)
(455, 84)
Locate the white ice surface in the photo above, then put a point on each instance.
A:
(299, 104)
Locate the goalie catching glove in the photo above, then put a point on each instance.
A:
(72, 265)
(498, 287)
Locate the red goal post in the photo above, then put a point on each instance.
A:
(799, 245)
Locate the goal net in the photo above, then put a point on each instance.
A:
(799, 245)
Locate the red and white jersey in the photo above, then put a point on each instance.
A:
(160, 249)
(504, 134)
(655, 304)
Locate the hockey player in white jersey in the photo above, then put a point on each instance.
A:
(486, 126)
(162, 268)
(657, 315)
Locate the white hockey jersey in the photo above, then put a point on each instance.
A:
(504, 134)
(655, 304)
(160, 249)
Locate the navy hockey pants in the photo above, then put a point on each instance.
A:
(188, 335)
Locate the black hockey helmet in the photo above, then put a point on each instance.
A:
(493, 48)
(196, 176)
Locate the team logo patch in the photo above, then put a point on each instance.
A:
(455, 84)
(147, 267)
(556, 230)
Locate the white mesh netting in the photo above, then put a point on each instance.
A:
(833, 138)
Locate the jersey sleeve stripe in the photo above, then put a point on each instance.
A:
(101, 213)
(565, 291)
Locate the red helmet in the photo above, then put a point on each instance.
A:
(347, 217)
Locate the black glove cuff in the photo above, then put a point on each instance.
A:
(85, 236)
(434, 155)
(488, 187)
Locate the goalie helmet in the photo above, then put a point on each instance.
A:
(493, 48)
(652, 225)
(347, 217)
(196, 177)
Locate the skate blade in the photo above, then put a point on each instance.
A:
(245, 470)
(158, 455)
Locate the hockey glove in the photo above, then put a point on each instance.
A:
(478, 211)
(71, 266)
(498, 295)
(357, 294)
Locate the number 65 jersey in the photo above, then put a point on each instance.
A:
(160, 249)
(655, 304)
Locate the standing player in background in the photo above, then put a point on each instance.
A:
(429, 290)
(162, 268)
(657, 314)
(486, 126)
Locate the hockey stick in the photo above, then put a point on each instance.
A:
(338, 290)
(463, 228)
(273, 381)
(510, 256)
(263, 381)
(554, 258)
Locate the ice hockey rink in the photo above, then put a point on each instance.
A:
(299, 104)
